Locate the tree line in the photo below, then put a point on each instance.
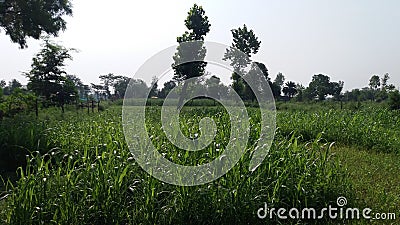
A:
(50, 85)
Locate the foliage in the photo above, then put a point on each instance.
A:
(394, 100)
(18, 101)
(138, 89)
(363, 128)
(290, 89)
(168, 86)
(107, 81)
(321, 86)
(47, 77)
(153, 88)
(32, 18)
(12, 85)
(278, 83)
(88, 176)
(374, 82)
(247, 43)
(120, 85)
(191, 47)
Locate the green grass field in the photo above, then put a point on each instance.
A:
(77, 169)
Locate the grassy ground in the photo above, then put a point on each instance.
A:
(375, 178)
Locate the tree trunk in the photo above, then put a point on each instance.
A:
(182, 95)
(36, 108)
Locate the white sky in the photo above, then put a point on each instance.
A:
(347, 40)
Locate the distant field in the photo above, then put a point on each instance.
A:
(79, 168)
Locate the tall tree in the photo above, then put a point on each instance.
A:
(279, 79)
(154, 87)
(246, 42)
(12, 85)
(214, 86)
(98, 91)
(300, 92)
(107, 81)
(47, 76)
(138, 88)
(374, 82)
(290, 89)
(257, 72)
(120, 86)
(394, 100)
(168, 86)
(32, 18)
(320, 86)
(336, 89)
(3, 83)
(278, 84)
(198, 25)
(77, 82)
(384, 83)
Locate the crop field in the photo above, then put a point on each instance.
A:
(76, 168)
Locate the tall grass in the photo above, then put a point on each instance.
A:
(369, 128)
(88, 176)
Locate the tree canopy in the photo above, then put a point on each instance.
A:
(33, 18)
(47, 77)
(189, 58)
(245, 41)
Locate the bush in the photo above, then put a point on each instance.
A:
(394, 100)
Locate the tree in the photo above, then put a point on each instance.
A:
(198, 25)
(300, 92)
(278, 83)
(32, 18)
(154, 87)
(108, 81)
(120, 85)
(374, 82)
(254, 80)
(336, 89)
(75, 80)
(394, 100)
(246, 42)
(168, 86)
(214, 87)
(290, 89)
(320, 86)
(68, 93)
(80, 87)
(138, 89)
(3, 83)
(12, 85)
(47, 77)
(279, 79)
(384, 83)
(98, 91)
(1, 94)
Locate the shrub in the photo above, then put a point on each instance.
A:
(394, 100)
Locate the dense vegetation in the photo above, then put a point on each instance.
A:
(78, 169)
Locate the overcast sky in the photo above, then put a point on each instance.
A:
(348, 40)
